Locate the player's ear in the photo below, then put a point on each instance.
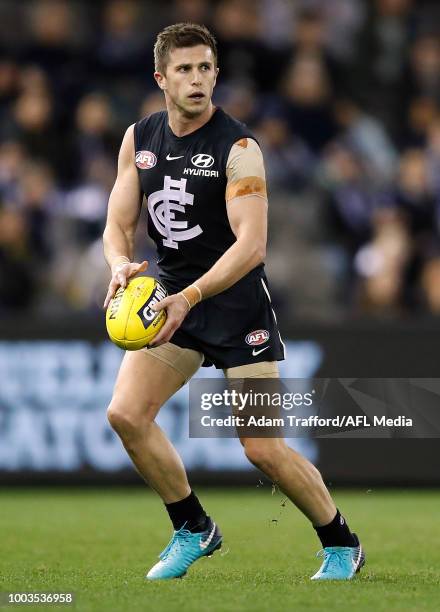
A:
(160, 80)
(216, 71)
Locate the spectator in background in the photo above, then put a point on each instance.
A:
(152, 103)
(422, 112)
(288, 161)
(34, 80)
(85, 205)
(414, 195)
(381, 265)
(9, 86)
(425, 67)
(350, 201)
(244, 57)
(94, 134)
(433, 160)
(123, 44)
(367, 135)
(307, 102)
(239, 99)
(343, 19)
(378, 70)
(430, 282)
(36, 129)
(37, 200)
(193, 11)
(404, 238)
(12, 160)
(51, 46)
(310, 39)
(79, 274)
(17, 272)
(415, 198)
(123, 56)
(33, 123)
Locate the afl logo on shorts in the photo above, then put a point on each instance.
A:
(257, 337)
(145, 160)
(201, 160)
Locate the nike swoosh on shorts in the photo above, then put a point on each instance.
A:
(255, 352)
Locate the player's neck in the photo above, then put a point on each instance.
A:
(182, 126)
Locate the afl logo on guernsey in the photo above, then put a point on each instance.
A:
(145, 160)
(257, 337)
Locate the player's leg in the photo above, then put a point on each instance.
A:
(296, 476)
(143, 385)
(299, 479)
(145, 381)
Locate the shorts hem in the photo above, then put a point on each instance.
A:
(239, 362)
(169, 362)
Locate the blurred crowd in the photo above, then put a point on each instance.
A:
(343, 96)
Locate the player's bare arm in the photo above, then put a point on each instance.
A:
(246, 205)
(123, 213)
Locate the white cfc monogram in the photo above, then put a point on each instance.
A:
(163, 205)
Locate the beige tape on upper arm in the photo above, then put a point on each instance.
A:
(245, 170)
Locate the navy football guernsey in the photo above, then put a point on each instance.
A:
(184, 182)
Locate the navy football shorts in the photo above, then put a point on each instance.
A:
(236, 327)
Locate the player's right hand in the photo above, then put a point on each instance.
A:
(120, 275)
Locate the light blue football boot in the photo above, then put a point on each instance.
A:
(183, 549)
(340, 562)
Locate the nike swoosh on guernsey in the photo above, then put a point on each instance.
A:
(170, 158)
(206, 543)
(255, 353)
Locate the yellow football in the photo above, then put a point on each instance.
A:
(131, 324)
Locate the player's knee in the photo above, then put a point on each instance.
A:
(256, 454)
(120, 420)
(127, 420)
(264, 455)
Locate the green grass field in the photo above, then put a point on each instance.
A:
(99, 543)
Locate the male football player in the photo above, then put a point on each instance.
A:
(203, 177)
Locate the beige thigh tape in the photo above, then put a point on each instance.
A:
(184, 360)
(263, 369)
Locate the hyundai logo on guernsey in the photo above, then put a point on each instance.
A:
(202, 161)
(257, 337)
(145, 160)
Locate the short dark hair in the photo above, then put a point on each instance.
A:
(181, 35)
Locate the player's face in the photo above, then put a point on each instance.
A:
(189, 79)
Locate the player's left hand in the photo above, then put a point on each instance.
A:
(177, 309)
